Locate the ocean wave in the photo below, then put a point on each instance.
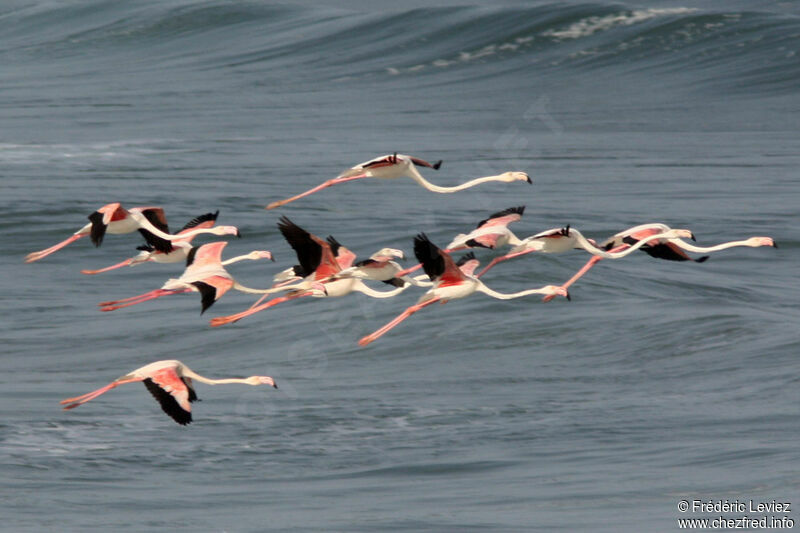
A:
(736, 49)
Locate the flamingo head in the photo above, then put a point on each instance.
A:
(261, 380)
(554, 290)
(684, 234)
(755, 242)
(508, 177)
(226, 230)
(317, 290)
(260, 254)
(389, 253)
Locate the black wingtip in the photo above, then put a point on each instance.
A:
(437, 165)
(208, 295)
(190, 256)
(466, 257)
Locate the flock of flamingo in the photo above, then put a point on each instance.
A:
(327, 269)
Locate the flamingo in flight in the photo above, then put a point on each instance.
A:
(450, 282)
(381, 267)
(399, 165)
(205, 273)
(559, 240)
(170, 383)
(491, 232)
(654, 240)
(178, 252)
(288, 279)
(113, 218)
(318, 269)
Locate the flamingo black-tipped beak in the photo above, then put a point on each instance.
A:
(774, 244)
(437, 165)
(529, 180)
(239, 235)
(274, 385)
(692, 236)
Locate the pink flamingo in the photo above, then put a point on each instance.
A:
(170, 383)
(344, 258)
(559, 240)
(450, 282)
(178, 252)
(114, 219)
(654, 240)
(491, 232)
(399, 165)
(318, 269)
(381, 267)
(205, 273)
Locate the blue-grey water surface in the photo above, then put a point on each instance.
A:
(659, 382)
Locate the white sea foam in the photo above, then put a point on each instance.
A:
(591, 25)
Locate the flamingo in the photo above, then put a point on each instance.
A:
(205, 273)
(170, 383)
(450, 282)
(491, 232)
(344, 258)
(318, 268)
(398, 165)
(673, 249)
(114, 219)
(381, 267)
(559, 240)
(480, 238)
(655, 244)
(178, 252)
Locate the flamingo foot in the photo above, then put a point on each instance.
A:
(41, 254)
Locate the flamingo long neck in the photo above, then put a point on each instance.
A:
(144, 223)
(511, 239)
(239, 258)
(363, 288)
(418, 281)
(583, 242)
(239, 287)
(197, 377)
(414, 174)
(618, 255)
(705, 249)
(509, 296)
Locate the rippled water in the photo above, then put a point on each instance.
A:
(659, 382)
